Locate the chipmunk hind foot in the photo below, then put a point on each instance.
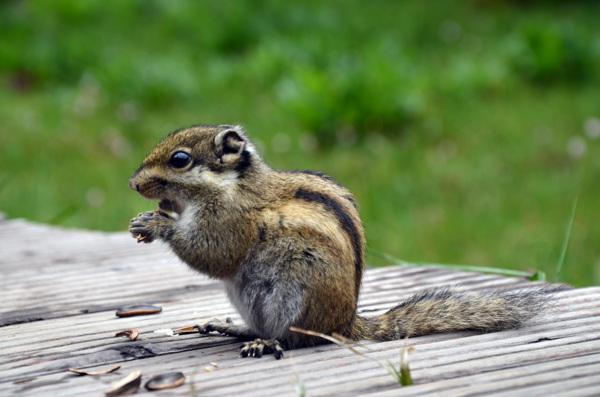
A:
(258, 347)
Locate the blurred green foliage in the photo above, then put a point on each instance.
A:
(465, 128)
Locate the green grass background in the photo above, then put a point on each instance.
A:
(466, 129)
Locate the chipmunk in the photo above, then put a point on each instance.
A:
(289, 247)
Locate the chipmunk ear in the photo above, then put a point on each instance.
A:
(229, 145)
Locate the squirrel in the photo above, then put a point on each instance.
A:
(289, 247)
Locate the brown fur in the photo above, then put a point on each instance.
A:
(289, 247)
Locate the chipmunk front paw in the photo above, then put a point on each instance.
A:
(145, 227)
(215, 325)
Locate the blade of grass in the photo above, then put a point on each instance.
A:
(405, 378)
(331, 339)
(538, 276)
(347, 343)
(563, 251)
(298, 385)
(468, 268)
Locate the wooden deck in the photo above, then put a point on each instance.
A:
(60, 288)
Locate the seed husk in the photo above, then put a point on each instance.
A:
(16, 382)
(131, 333)
(84, 372)
(186, 330)
(165, 381)
(158, 212)
(137, 310)
(129, 385)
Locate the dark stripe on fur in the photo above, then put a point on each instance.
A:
(345, 221)
(321, 175)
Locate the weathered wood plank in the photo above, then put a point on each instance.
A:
(72, 283)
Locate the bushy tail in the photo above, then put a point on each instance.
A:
(441, 310)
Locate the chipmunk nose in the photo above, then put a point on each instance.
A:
(134, 186)
(132, 183)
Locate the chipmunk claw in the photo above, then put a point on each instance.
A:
(258, 347)
(139, 227)
(146, 227)
(214, 324)
(211, 325)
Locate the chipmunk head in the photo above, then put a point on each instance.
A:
(193, 162)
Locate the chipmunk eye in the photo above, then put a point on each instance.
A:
(179, 160)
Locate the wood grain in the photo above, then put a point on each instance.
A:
(60, 288)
